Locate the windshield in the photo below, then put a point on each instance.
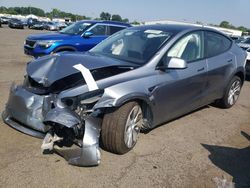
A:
(136, 46)
(76, 28)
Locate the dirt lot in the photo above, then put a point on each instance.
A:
(187, 152)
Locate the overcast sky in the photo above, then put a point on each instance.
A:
(236, 12)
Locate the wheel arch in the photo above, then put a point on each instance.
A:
(64, 48)
(143, 101)
(241, 75)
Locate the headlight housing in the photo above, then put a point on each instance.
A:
(87, 99)
(46, 43)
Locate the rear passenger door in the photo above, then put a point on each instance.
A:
(221, 63)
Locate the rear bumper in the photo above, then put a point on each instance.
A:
(25, 111)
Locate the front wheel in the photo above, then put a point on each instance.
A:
(232, 93)
(120, 128)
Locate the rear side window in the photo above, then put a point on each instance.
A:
(216, 44)
(114, 29)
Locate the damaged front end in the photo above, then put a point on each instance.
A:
(75, 122)
(61, 102)
(61, 122)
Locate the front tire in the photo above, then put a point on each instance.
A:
(120, 128)
(232, 93)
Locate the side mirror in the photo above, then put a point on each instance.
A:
(87, 34)
(172, 63)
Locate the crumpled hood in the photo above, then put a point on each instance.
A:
(48, 69)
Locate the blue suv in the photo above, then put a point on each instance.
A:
(80, 36)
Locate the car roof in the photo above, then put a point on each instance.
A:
(106, 22)
(173, 28)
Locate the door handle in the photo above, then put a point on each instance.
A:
(230, 60)
(201, 69)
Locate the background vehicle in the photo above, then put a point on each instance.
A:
(15, 23)
(245, 44)
(38, 25)
(136, 79)
(248, 62)
(51, 26)
(80, 36)
(31, 22)
(5, 20)
(61, 25)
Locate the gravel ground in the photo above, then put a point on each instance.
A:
(188, 152)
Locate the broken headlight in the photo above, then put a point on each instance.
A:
(87, 99)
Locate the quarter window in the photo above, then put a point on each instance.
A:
(216, 44)
(189, 47)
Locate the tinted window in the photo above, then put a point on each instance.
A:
(189, 47)
(216, 44)
(99, 30)
(114, 29)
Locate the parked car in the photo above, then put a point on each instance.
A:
(5, 20)
(61, 25)
(248, 63)
(31, 22)
(51, 26)
(38, 25)
(135, 80)
(80, 36)
(0, 22)
(16, 23)
(245, 44)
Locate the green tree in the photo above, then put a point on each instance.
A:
(135, 23)
(116, 17)
(105, 16)
(125, 20)
(225, 24)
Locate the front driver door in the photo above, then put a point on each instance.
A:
(100, 32)
(181, 90)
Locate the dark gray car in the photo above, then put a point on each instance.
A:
(135, 80)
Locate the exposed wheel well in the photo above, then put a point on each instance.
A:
(241, 76)
(147, 113)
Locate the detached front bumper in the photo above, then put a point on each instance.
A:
(25, 111)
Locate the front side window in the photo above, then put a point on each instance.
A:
(99, 30)
(76, 28)
(216, 44)
(188, 48)
(136, 46)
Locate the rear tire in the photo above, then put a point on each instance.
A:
(120, 128)
(232, 93)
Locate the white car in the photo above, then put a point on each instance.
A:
(245, 44)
